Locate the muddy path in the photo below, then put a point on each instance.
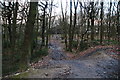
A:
(96, 65)
(57, 65)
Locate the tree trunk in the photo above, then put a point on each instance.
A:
(49, 25)
(70, 34)
(118, 22)
(109, 22)
(92, 21)
(75, 16)
(46, 32)
(9, 14)
(101, 27)
(28, 38)
(14, 26)
(43, 25)
(64, 25)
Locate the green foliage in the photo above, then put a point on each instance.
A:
(6, 44)
(95, 42)
(83, 46)
(105, 42)
(62, 38)
(112, 42)
(38, 54)
(75, 44)
(10, 63)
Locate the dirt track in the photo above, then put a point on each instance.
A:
(97, 65)
(56, 65)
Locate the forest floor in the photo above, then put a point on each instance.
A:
(99, 62)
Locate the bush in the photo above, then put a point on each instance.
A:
(6, 44)
(83, 46)
(75, 44)
(10, 63)
(37, 54)
(62, 38)
(105, 42)
(95, 42)
(113, 42)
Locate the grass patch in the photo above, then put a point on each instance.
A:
(22, 75)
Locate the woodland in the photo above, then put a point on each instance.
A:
(34, 31)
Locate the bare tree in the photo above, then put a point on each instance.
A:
(109, 24)
(64, 24)
(118, 21)
(101, 26)
(49, 23)
(92, 20)
(75, 18)
(70, 28)
(14, 25)
(28, 38)
(43, 24)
